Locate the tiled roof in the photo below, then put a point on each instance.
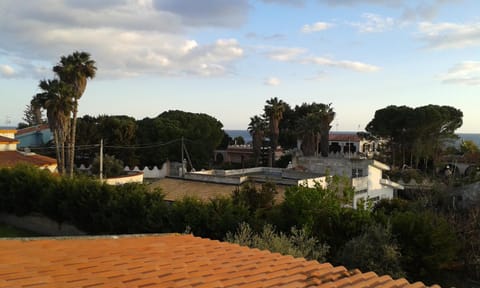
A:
(166, 261)
(11, 158)
(32, 129)
(6, 140)
(344, 137)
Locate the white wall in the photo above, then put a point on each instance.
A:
(135, 178)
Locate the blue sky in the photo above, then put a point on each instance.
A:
(226, 58)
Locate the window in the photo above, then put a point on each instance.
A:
(356, 172)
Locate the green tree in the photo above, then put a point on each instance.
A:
(202, 133)
(427, 242)
(297, 244)
(257, 128)
(75, 69)
(54, 99)
(326, 115)
(415, 134)
(373, 250)
(274, 112)
(112, 167)
(308, 128)
(32, 116)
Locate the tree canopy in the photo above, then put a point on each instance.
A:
(415, 135)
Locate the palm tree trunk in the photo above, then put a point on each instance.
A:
(73, 131)
(57, 148)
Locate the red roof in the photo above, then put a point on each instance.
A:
(7, 140)
(11, 158)
(166, 261)
(344, 137)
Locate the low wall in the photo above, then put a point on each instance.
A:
(134, 178)
(151, 173)
(40, 225)
(216, 179)
(148, 173)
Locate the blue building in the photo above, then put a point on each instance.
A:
(34, 136)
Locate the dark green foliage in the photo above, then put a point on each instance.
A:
(255, 199)
(24, 189)
(202, 134)
(112, 167)
(211, 219)
(373, 250)
(297, 243)
(415, 135)
(427, 242)
(91, 206)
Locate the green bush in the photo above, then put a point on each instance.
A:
(90, 205)
(373, 250)
(298, 243)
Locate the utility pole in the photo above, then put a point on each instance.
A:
(183, 163)
(101, 159)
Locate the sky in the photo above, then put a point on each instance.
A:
(225, 58)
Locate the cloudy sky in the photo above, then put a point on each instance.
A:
(227, 57)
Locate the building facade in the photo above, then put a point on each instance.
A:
(10, 156)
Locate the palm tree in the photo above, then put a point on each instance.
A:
(257, 128)
(326, 115)
(75, 70)
(274, 112)
(55, 99)
(308, 128)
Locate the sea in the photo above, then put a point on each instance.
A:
(475, 137)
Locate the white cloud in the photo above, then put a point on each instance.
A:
(344, 64)
(126, 38)
(466, 73)
(374, 23)
(315, 27)
(449, 35)
(272, 81)
(285, 54)
(296, 3)
(6, 71)
(297, 55)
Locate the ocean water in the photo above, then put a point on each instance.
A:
(244, 133)
(475, 137)
(470, 136)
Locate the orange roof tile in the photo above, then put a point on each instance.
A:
(11, 158)
(6, 140)
(169, 260)
(32, 129)
(344, 137)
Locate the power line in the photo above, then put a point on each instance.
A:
(138, 146)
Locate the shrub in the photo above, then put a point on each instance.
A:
(298, 244)
(373, 250)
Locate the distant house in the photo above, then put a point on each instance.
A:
(10, 156)
(366, 176)
(242, 154)
(34, 136)
(352, 144)
(167, 260)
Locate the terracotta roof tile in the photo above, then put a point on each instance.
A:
(32, 129)
(11, 158)
(6, 140)
(166, 261)
(343, 137)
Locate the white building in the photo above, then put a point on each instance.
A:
(366, 176)
(352, 144)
